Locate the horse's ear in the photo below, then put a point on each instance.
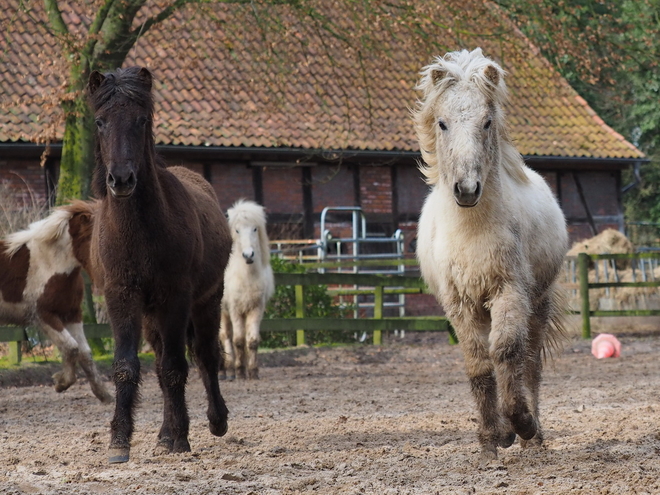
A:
(438, 75)
(95, 80)
(492, 74)
(145, 77)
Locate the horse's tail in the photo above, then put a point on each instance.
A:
(556, 334)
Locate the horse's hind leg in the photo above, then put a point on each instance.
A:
(252, 324)
(226, 338)
(509, 348)
(534, 367)
(67, 346)
(87, 363)
(206, 348)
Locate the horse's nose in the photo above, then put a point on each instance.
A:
(249, 256)
(121, 182)
(467, 193)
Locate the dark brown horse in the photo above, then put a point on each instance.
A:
(159, 248)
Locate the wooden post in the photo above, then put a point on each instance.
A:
(583, 271)
(89, 316)
(300, 313)
(14, 352)
(378, 312)
(453, 339)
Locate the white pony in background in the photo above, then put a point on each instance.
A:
(249, 284)
(491, 240)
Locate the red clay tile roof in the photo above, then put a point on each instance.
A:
(222, 82)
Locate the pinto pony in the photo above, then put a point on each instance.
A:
(249, 284)
(159, 248)
(491, 240)
(41, 284)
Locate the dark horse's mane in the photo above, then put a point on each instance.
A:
(121, 83)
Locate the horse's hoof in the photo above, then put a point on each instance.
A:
(507, 440)
(60, 383)
(164, 446)
(118, 455)
(524, 425)
(104, 396)
(181, 446)
(536, 442)
(253, 375)
(488, 455)
(219, 430)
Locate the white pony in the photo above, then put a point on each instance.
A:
(491, 240)
(249, 284)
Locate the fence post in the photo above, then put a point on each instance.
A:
(14, 352)
(300, 313)
(583, 271)
(378, 312)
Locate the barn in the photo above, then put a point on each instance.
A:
(263, 115)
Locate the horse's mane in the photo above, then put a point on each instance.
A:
(445, 72)
(244, 210)
(42, 231)
(126, 82)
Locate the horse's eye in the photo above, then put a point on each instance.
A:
(142, 121)
(99, 123)
(255, 229)
(487, 125)
(442, 125)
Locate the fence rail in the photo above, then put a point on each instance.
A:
(642, 266)
(378, 285)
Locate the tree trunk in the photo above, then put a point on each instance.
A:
(77, 163)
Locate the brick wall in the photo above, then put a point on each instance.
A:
(376, 190)
(232, 181)
(25, 179)
(282, 188)
(332, 186)
(411, 191)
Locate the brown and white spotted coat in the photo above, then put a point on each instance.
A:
(41, 284)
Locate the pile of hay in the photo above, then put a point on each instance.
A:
(609, 241)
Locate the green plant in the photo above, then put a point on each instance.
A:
(318, 304)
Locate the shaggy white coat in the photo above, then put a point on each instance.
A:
(249, 284)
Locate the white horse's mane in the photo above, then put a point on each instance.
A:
(245, 211)
(445, 72)
(42, 231)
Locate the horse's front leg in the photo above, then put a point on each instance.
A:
(227, 371)
(472, 331)
(238, 340)
(252, 332)
(125, 319)
(509, 349)
(173, 319)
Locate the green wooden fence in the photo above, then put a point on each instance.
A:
(379, 285)
(585, 261)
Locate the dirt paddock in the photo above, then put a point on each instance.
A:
(398, 419)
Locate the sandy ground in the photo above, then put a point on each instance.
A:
(398, 419)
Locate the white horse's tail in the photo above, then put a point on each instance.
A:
(43, 231)
(556, 334)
